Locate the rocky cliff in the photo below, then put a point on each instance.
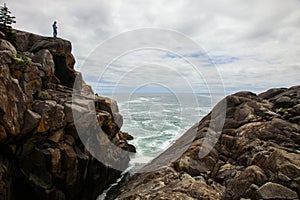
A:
(42, 156)
(256, 156)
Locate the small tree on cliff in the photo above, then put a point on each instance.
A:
(6, 20)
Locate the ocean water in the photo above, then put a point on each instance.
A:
(156, 120)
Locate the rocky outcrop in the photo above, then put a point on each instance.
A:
(60, 51)
(256, 156)
(42, 155)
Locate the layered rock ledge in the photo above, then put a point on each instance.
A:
(257, 155)
(42, 155)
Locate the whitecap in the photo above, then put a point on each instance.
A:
(140, 160)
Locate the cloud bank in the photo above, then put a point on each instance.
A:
(254, 45)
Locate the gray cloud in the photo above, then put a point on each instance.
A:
(264, 36)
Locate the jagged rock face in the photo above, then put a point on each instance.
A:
(46, 67)
(6, 45)
(257, 155)
(42, 155)
(12, 98)
(60, 50)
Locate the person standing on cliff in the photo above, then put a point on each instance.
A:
(54, 29)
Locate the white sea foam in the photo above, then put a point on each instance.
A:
(157, 120)
(141, 160)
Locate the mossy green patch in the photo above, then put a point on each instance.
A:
(44, 96)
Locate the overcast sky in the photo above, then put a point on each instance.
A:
(252, 45)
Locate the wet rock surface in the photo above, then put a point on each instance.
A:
(42, 155)
(256, 155)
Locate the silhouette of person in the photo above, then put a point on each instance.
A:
(54, 29)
